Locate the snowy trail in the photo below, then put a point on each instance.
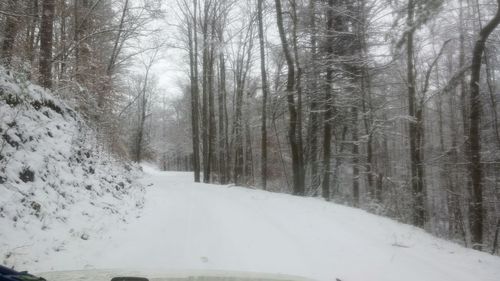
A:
(197, 226)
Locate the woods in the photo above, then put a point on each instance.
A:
(368, 103)
(389, 106)
(84, 50)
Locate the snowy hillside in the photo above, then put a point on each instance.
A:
(56, 184)
(190, 226)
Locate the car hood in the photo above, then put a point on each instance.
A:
(155, 275)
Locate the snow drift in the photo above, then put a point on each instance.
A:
(56, 183)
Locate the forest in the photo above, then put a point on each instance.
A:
(390, 106)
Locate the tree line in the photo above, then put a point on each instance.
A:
(386, 105)
(390, 106)
(88, 52)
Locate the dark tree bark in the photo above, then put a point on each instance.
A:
(328, 100)
(193, 56)
(356, 71)
(46, 38)
(143, 102)
(222, 125)
(249, 175)
(297, 165)
(9, 34)
(212, 125)
(82, 51)
(454, 199)
(476, 188)
(205, 95)
(490, 80)
(212, 133)
(263, 176)
(298, 89)
(33, 35)
(242, 66)
(238, 135)
(495, 239)
(63, 16)
(355, 155)
(314, 118)
(414, 111)
(366, 102)
(464, 98)
(463, 83)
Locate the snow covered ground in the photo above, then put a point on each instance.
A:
(185, 225)
(57, 184)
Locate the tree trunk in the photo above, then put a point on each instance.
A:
(239, 152)
(140, 129)
(222, 124)
(297, 166)
(32, 38)
(82, 51)
(355, 157)
(366, 102)
(298, 87)
(495, 239)
(114, 55)
(263, 176)
(226, 133)
(46, 38)
(193, 55)
(476, 206)
(312, 137)
(212, 127)
(205, 96)
(356, 72)
(249, 176)
(416, 180)
(491, 81)
(238, 136)
(328, 101)
(465, 123)
(9, 34)
(63, 15)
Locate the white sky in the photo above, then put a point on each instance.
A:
(170, 65)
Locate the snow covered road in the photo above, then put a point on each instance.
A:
(207, 227)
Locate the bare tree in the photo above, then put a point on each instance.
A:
(143, 103)
(416, 176)
(475, 169)
(295, 143)
(10, 31)
(46, 39)
(264, 96)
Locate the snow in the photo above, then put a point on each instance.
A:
(66, 204)
(186, 226)
(57, 185)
